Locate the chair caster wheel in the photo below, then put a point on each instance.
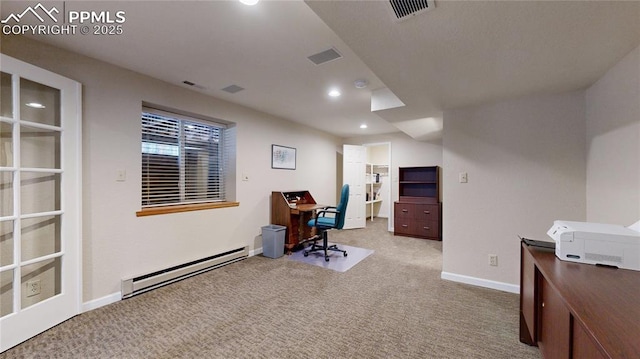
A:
(326, 258)
(306, 254)
(345, 254)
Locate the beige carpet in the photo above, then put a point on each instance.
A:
(391, 305)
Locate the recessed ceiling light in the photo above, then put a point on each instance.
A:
(334, 93)
(35, 105)
(249, 2)
(364, 125)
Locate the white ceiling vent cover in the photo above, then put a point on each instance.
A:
(325, 56)
(405, 9)
(233, 89)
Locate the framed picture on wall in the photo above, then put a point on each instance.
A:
(283, 157)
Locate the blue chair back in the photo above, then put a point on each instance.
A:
(342, 207)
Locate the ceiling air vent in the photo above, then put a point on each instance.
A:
(233, 89)
(325, 56)
(404, 9)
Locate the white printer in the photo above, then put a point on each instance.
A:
(597, 243)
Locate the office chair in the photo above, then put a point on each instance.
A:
(324, 223)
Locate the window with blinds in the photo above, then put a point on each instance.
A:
(182, 159)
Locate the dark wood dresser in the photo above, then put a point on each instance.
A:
(574, 310)
(418, 212)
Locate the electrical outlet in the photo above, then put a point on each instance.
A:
(33, 288)
(493, 260)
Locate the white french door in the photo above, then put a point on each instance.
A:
(40, 193)
(354, 174)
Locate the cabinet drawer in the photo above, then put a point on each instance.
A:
(422, 212)
(423, 229)
(426, 212)
(427, 229)
(404, 210)
(403, 226)
(555, 323)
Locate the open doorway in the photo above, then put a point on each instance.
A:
(366, 169)
(378, 181)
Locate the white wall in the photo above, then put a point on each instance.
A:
(526, 167)
(116, 243)
(613, 144)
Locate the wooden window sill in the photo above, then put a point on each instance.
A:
(184, 208)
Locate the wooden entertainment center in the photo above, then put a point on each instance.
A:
(575, 310)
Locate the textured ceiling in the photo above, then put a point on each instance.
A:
(461, 53)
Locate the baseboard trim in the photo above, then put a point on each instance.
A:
(101, 302)
(479, 282)
(255, 252)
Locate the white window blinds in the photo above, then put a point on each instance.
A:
(182, 159)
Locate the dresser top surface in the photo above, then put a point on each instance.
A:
(605, 300)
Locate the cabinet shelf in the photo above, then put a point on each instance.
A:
(373, 183)
(420, 182)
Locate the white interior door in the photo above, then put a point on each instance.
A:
(40, 192)
(353, 172)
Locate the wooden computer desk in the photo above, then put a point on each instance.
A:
(293, 209)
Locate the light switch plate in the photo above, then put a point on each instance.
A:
(121, 175)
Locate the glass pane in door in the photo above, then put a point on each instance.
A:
(39, 103)
(6, 194)
(40, 281)
(39, 148)
(39, 192)
(6, 144)
(6, 293)
(40, 236)
(6, 243)
(6, 96)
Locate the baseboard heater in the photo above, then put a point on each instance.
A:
(147, 282)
